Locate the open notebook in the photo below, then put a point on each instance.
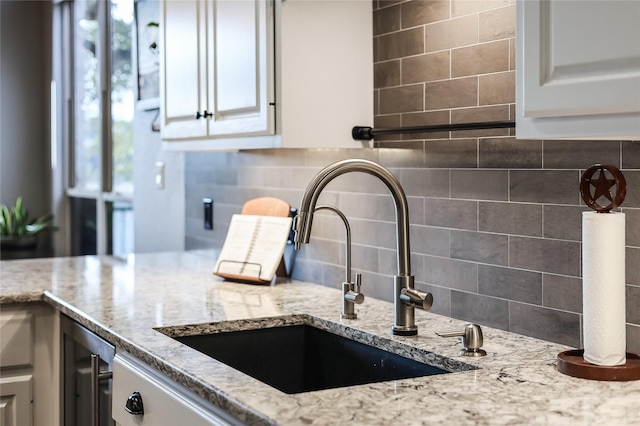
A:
(253, 247)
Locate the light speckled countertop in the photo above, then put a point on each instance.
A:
(122, 301)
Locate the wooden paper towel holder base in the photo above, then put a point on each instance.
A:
(572, 363)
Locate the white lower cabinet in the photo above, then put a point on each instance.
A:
(15, 400)
(164, 402)
(29, 384)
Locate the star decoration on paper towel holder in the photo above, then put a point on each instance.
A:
(602, 185)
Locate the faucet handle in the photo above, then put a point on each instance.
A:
(472, 340)
(354, 296)
(415, 298)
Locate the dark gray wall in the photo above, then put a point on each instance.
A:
(25, 75)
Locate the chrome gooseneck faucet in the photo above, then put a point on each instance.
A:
(351, 293)
(406, 297)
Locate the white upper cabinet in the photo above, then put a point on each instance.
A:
(265, 73)
(216, 69)
(578, 69)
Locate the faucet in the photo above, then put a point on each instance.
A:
(351, 293)
(406, 297)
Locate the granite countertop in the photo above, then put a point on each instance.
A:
(124, 300)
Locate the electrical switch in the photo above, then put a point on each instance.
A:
(208, 213)
(160, 174)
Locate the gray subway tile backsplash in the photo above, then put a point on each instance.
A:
(460, 153)
(441, 299)
(445, 94)
(632, 226)
(481, 309)
(633, 188)
(510, 153)
(480, 184)
(457, 214)
(367, 258)
(633, 267)
(400, 44)
(498, 24)
(424, 182)
(549, 324)
(451, 273)
(562, 292)
(544, 186)
(563, 222)
(430, 240)
(632, 300)
(480, 247)
(496, 88)
(387, 74)
(510, 218)
(545, 255)
(633, 338)
(565, 154)
(402, 99)
(373, 233)
(427, 67)
(509, 283)
(631, 155)
(425, 12)
(495, 221)
(478, 59)
(386, 21)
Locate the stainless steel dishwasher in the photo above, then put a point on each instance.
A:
(87, 371)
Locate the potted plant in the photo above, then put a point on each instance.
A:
(18, 235)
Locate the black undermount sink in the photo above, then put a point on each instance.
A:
(297, 358)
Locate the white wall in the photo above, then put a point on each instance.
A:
(159, 213)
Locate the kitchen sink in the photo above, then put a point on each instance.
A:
(297, 358)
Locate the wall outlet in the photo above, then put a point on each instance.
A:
(208, 213)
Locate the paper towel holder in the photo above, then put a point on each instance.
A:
(603, 187)
(572, 363)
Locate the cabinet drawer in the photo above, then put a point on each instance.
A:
(164, 401)
(16, 345)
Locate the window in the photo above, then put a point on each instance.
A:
(97, 80)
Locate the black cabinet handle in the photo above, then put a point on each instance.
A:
(134, 404)
(205, 114)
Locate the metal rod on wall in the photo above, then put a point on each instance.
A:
(363, 133)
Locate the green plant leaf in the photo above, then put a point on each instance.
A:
(14, 221)
(4, 217)
(8, 223)
(40, 224)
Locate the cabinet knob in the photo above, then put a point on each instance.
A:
(204, 114)
(134, 404)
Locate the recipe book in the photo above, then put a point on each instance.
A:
(253, 248)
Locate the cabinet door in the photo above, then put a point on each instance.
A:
(243, 68)
(15, 401)
(29, 354)
(16, 345)
(183, 68)
(216, 59)
(578, 59)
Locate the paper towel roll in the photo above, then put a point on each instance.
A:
(603, 288)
